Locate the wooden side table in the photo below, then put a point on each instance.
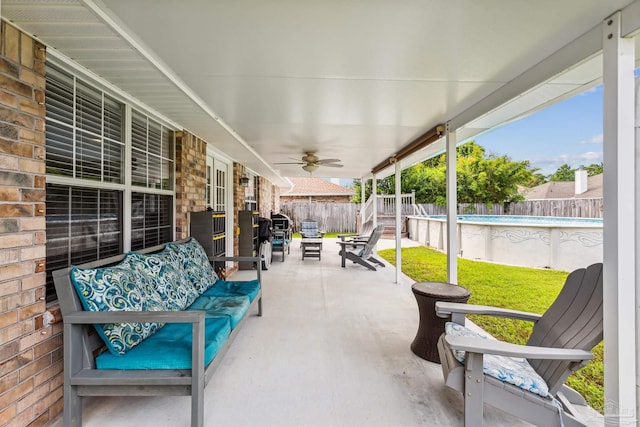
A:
(311, 247)
(430, 326)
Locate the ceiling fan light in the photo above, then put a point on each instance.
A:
(310, 167)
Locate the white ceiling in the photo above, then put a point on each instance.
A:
(265, 81)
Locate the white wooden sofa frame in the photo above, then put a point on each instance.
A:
(81, 378)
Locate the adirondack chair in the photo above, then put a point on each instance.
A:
(362, 236)
(526, 381)
(309, 229)
(362, 252)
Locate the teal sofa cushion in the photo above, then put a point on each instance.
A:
(117, 289)
(170, 347)
(235, 307)
(166, 274)
(279, 242)
(223, 288)
(194, 261)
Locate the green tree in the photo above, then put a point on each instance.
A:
(480, 179)
(564, 173)
(594, 169)
(492, 179)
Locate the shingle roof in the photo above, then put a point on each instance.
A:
(565, 190)
(316, 187)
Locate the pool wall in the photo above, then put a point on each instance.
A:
(557, 246)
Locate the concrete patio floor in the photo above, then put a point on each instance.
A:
(332, 349)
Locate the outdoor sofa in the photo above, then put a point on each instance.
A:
(162, 322)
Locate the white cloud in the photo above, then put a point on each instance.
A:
(549, 165)
(596, 139)
(592, 156)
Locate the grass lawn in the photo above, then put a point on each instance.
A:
(518, 288)
(327, 235)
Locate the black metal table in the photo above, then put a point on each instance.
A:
(430, 326)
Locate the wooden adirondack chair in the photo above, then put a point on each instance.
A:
(309, 229)
(362, 236)
(559, 344)
(362, 252)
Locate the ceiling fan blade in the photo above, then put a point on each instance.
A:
(289, 163)
(331, 165)
(326, 161)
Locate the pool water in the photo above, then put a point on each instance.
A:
(524, 220)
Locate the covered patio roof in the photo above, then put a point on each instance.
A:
(265, 82)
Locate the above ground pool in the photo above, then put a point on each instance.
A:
(532, 241)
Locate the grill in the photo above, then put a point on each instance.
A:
(280, 222)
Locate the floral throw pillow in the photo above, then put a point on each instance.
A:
(513, 370)
(195, 262)
(162, 269)
(116, 289)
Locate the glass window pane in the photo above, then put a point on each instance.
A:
(167, 143)
(113, 160)
(155, 137)
(59, 148)
(88, 156)
(59, 96)
(138, 131)
(155, 173)
(83, 225)
(113, 119)
(89, 109)
(152, 222)
(138, 168)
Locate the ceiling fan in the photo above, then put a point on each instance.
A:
(310, 162)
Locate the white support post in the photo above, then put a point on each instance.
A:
(363, 201)
(637, 238)
(619, 229)
(374, 199)
(452, 208)
(126, 214)
(398, 222)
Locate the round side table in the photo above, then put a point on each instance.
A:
(431, 326)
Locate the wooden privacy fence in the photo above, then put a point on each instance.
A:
(342, 217)
(331, 217)
(574, 208)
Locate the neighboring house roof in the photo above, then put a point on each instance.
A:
(316, 187)
(565, 190)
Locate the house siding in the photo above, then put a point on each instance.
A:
(30, 332)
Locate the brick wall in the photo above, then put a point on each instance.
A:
(191, 179)
(276, 199)
(30, 341)
(238, 202)
(265, 197)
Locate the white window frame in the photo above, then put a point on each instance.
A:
(86, 77)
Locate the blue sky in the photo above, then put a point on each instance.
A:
(568, 132)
